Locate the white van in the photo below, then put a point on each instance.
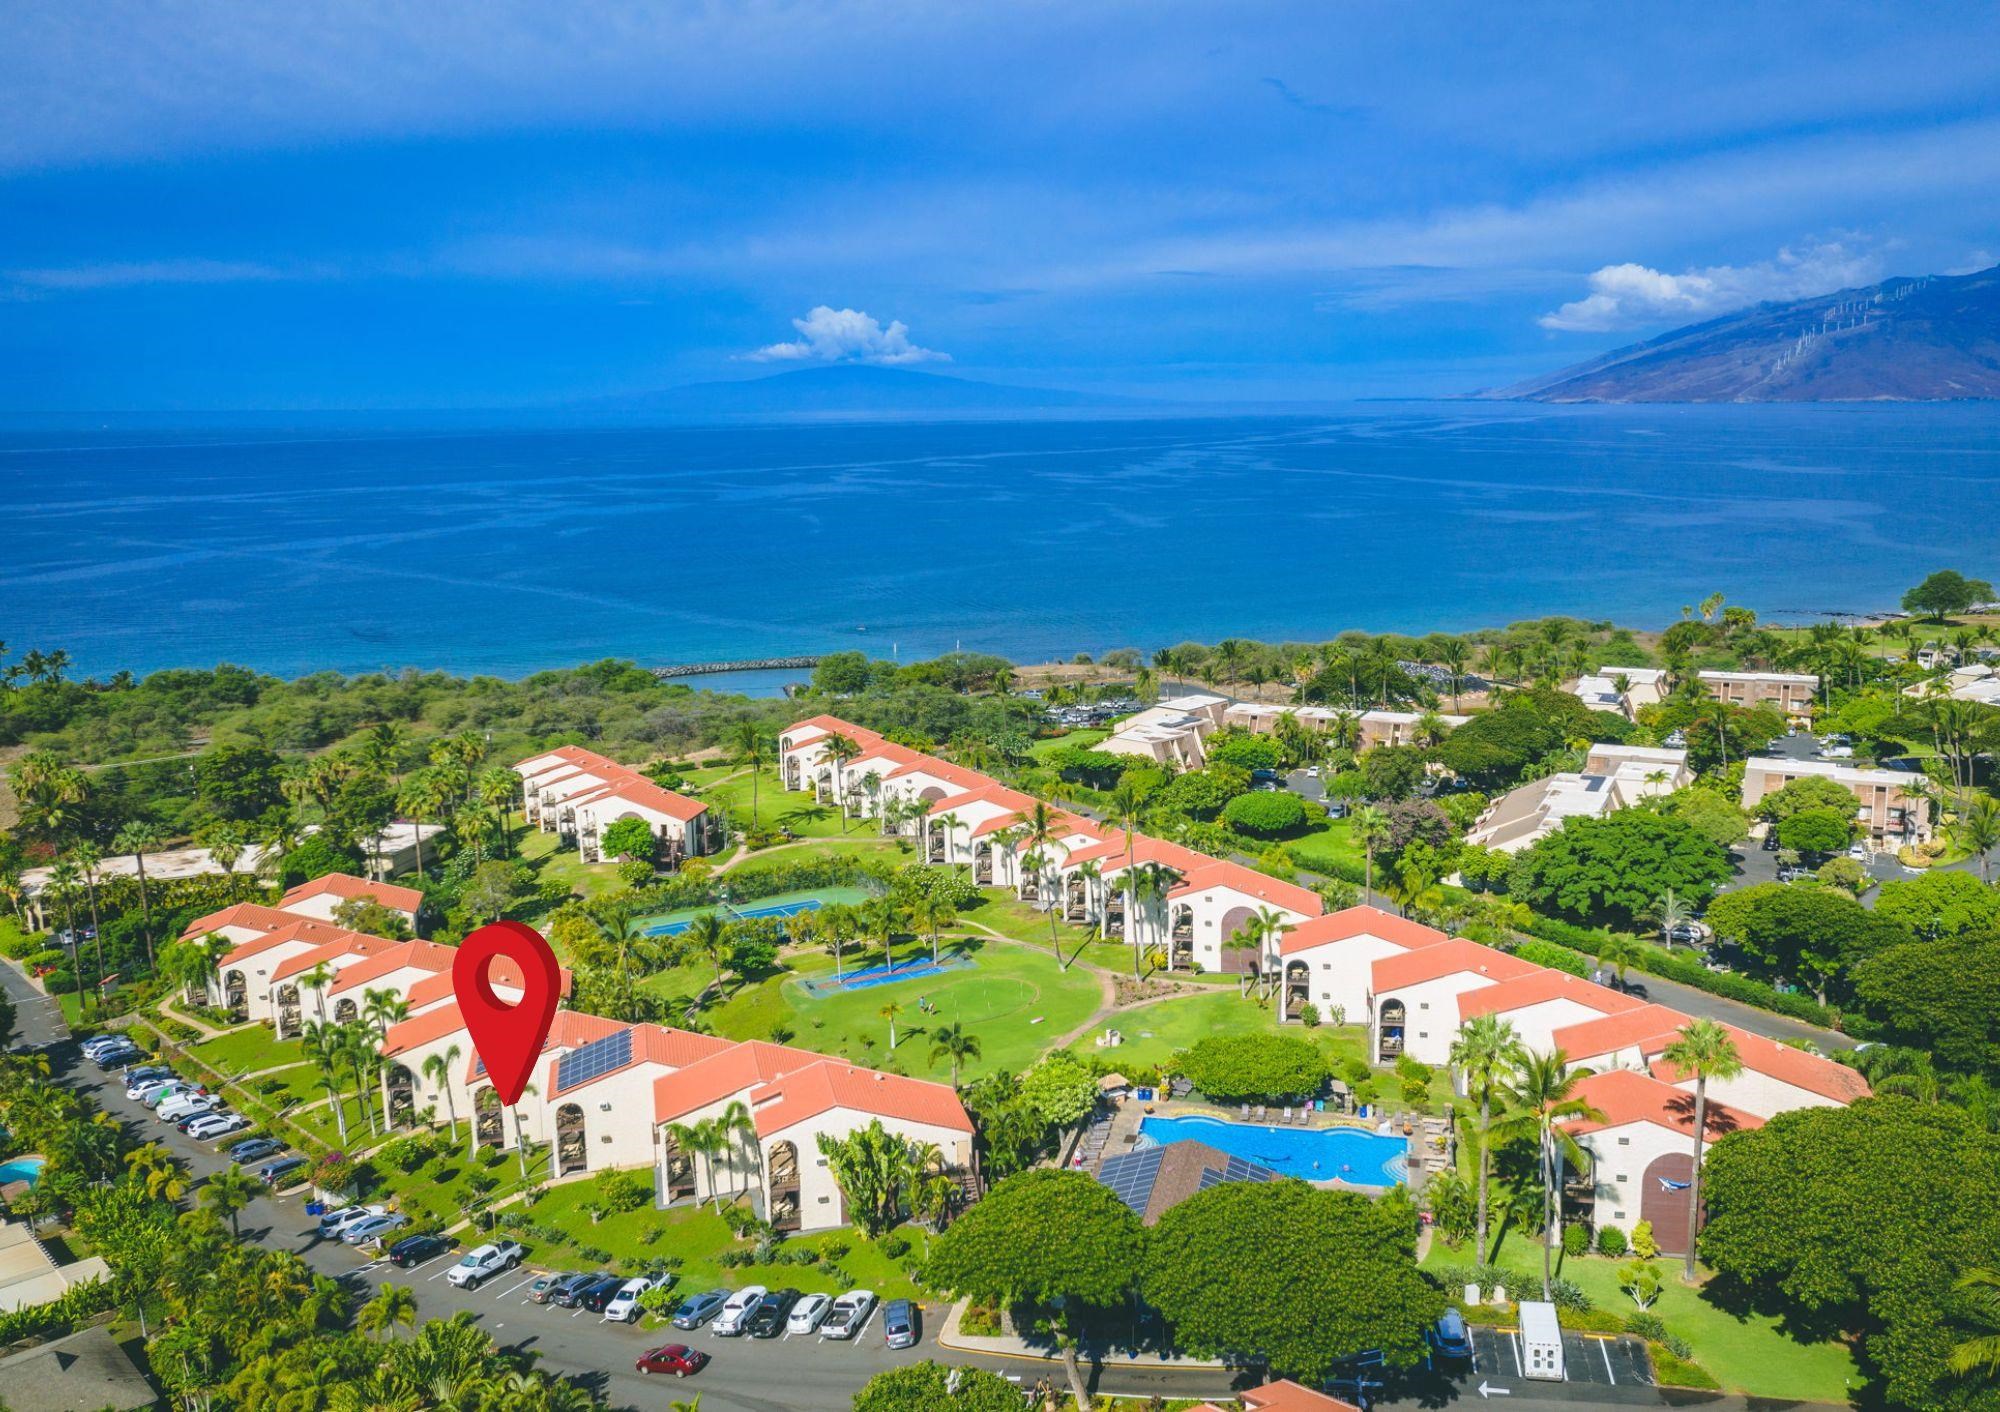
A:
(1541, 1342)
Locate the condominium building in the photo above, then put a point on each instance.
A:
(577, 794)
(1790, 692)
(1624, 690)
(1613, 777)
(1889, 804)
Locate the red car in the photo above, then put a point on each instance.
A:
(675, 1358)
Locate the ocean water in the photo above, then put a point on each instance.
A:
(507, 551)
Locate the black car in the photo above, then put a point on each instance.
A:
(571, 1289)
(573, 1297)
(1771, 841)
(251, 1149)
(414, 1250)
(117, 1058)
(767, 1320)
(598, 1295)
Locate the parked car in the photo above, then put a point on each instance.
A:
(698, 1309)
(568, 1291)
(675, 1358)
(374, 1228)
(1450, 1340)
(599, 1296)
(117, 1058)
(142, 1081)
(580, 1297)
(211, 1126)
(172, 1088)
(1858, 852)
(849, 1314)
(1688, 933)
(335, 1222)
(1795, 873)
(411, 1251)
(280, 1171)
(186, 1105)
(483, 1262)
(543, 1290)
(99, 1042)
(807, 1313)
(729, 1319)
(214, 1108)
(767, 1320)
(1770, 843)
(623, 1307)
(252, 1148)
(899, 1324)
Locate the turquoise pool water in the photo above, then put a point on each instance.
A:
(22, 1169)
(1316, 1154)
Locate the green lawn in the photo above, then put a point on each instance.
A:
(1000, 911)
(441, 1191)
(695, 1236)
(1747, 1353)
(1153, 1032)
(778, 809)
(785, 855)
(1330, 846)
(553, 863)
(1085, 738)
(1013, 998)
(247, 1050)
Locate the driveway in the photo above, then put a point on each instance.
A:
(38, 1019)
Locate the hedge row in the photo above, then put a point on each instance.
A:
(75, 1305)
(1658, 961)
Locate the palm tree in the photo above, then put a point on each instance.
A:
(1151, 886)
(521, 1143)
(137, 839)
(1981, 1352)
(948, 822)
(228, 1192)
(1619, 952)
(86, 857)
(1371, 831)
(707, 1139)
(1542, 1093)
(751, 747)
(1670, 911)
(357, 1047)
(438, 1069)
(840, 749)
(63, 879)
(154, 1167)
(1702, 1048)
(935, 914)
(1453, 654)
(383, 1008)
(317, 980)
(889, 1012)
(1126, 802)
(1979, 830)
(708, 935)
(1038, 830)
(498, 788)
(1485, 1048)
(955, 1042)
(392, 1306)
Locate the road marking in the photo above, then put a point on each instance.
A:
(441, 1273)
(1604, 1347)
(1487, 1390)
(524, 1284)
(1514, 1342)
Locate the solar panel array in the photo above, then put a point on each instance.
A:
(1131, 1175)
(594, 1060)
(1236, 1170)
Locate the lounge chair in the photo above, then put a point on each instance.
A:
(1246, 1110)
(1288, 1116)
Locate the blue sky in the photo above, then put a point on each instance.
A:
(468, 205)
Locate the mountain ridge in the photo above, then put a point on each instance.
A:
(1923, 338)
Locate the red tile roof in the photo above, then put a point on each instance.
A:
(1223, 873)
(613, 780)
(422, 955)
(296, 929)
(1283, 1396)
(1452, 956)
(1782, 1062)
(647, 795)
(1625, 1097)
(502, 972)
(354, 944)
(1351, 922)
(657, 1045)
(831, 725)
(1649, 1029)
(347, 888)
(736, 1070)
(571, 1029)
(574, 756)
(1542, 986)
(806, 1093)
(420, 1030)
(945, 770)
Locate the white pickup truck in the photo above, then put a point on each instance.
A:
(484, 1263)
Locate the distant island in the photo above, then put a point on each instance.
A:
(1935, 338)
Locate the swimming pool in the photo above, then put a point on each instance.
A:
(1316, 1154)
(22, 1169)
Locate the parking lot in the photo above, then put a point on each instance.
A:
(1587, 1359)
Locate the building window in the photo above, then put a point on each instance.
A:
(1423, 1005)
(1624, 1142)
(1621, 1176)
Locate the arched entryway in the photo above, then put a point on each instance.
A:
(235, 995)
(782, 1184)
(571, 1153)
(982, 864)
(1663, 1200)
(288, 1010)
(1076, 903)
(1389, 1032)
(1298, 988)
(345, 1012)
(488, 1122)
(680, 1172)
(402, 1086)
(1180, 933)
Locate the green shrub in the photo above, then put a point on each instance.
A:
(1265, 813)
(1611, 1241)
(1309, 1015)
(1576, 1239)
(1556, 958)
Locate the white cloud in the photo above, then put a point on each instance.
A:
(1627, 295)
(119, 274)
(848, 336)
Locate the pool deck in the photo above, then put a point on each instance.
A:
(1122, 1134)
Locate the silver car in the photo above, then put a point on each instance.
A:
(374, 1228)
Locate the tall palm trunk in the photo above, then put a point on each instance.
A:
(145, 909)
(1485, 1141)
(97, 935)
(75, 963)
(1694, 1177)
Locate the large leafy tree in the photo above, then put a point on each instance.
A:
(1945, 592)
(1045, 1236)
(1612, 869)
(929, 1387)
(1289, 1274)
(1944, 904)
(1811, 935)
(1942, 997)
(1861, 1218)
(1231, 1068)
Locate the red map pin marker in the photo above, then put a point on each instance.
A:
(508, 1037)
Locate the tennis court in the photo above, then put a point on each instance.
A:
(784, 904)
(916, 968)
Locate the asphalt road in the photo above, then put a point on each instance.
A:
(38, 1018)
